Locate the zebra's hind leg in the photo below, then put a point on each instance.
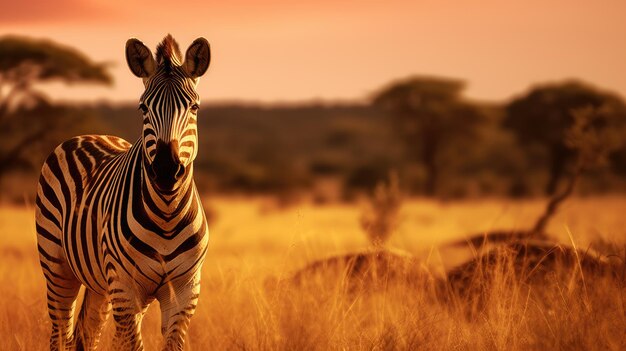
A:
(90, 320)
(62, 286)
(62, 293)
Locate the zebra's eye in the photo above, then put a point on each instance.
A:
(143, 108)
(194, 108)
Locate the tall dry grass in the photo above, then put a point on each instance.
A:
(245, 306)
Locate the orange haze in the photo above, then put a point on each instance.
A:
(283, 50)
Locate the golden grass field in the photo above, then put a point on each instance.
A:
(254, 244)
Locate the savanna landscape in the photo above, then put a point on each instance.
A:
(248, 302)
(375, 176)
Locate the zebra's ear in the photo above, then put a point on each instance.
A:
(197, 58)
(140, 59)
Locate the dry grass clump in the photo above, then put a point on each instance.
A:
(526, 265)
(368, 270)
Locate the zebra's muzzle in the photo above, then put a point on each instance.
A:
(166, 170)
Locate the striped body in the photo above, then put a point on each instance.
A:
(126, 222)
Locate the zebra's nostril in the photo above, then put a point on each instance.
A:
(181, 171)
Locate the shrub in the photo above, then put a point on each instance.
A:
(381, 217)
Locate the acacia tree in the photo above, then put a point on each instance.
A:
(27, 118)
(544, 115)
(429, 114)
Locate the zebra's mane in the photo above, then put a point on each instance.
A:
(168, 53)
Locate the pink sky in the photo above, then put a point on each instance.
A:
(282, 50)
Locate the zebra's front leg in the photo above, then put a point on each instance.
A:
(94, 313)
(178, 300)
(61, 306)
(128, 310)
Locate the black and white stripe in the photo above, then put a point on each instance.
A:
(126, 221)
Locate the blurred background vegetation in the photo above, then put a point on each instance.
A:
(421, 128)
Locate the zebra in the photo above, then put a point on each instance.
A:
(126, 221)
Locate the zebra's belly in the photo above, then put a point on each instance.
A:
(82, 245)
(96, 257)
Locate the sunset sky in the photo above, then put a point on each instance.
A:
(281, 50)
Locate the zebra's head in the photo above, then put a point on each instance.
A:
(170, 105)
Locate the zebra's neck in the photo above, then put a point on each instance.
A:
(166, 210)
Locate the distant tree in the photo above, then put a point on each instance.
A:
(544, 114)
(27, 118)
(429, 114)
